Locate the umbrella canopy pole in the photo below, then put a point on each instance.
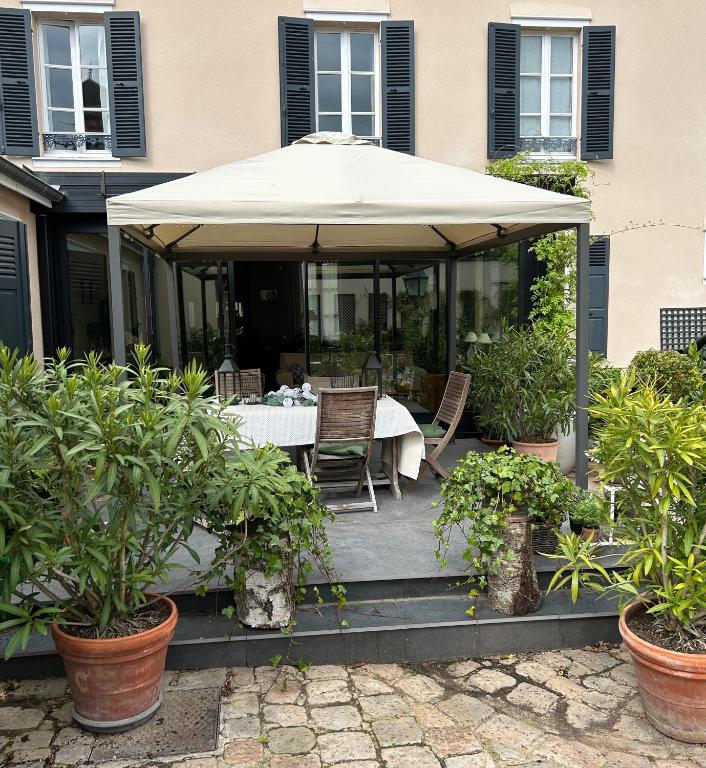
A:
(583, 245)
(117, 321)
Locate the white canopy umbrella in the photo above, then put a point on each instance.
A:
(334, 193)
(331, 195)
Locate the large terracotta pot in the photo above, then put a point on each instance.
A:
(546, 451)
(115, 683)
(491, 442)
(672, 685)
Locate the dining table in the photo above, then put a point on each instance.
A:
(295, 427)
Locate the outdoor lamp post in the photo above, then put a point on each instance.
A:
(228, 376)
(415, 284)
(372, 373)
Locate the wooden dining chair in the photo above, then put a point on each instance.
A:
(436, 436)
(345, 427)
(248, 382)
(346, 380)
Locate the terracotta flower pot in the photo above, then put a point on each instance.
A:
(546, 451)
(672, 685)
(115, 683)
(589, 534)
(491, 442)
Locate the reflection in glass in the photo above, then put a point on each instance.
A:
(62, 122)
(362, 52)
(560, 126)
(362, 125)
(530, 126)
(562, 59)
(361, 93)
(329, 93)
(57, 46)
(94, 122)
(530, 94)
(133, 285)
(330, 123)
(560, 95)
(94, 87)
(531, 54)
(328, 51)
(92, 44)
(60, 89)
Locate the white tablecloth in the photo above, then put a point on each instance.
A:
(287, 427)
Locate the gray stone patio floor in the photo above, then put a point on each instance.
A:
(555, 709)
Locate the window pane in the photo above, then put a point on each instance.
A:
(562, 56)
(61, 122)
(94, 122)
(560, 94)
(91, 42)
(530, 94)
(329, 93)
(530, 126)
(329, 122)
(361, 93)
(60, 89)
(95, 87)
(560, 126)
(362, 52)
(362, 125)
(56, 44)
(328, 50)
(531, 54)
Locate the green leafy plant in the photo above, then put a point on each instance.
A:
(488, 372)
(554, 292)
(567, 178)
(655, 450)
(271, 515)
(669, 372)
(484, 489)
(103, 470)
(589, 510)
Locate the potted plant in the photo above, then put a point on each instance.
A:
(670, 372)
(587, 515)
(655, 450)
(103, 470)
(492, 499)
(488, 371)
(272, 518)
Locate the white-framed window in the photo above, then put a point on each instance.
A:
(74, 80)
(548, 91)
(347, 66)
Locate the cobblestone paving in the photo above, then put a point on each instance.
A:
(570, 709)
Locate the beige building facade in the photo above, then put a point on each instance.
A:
(211, 82)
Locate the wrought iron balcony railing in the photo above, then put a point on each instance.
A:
(549, 145)
(77, 142)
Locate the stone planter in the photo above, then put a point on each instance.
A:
(266, 602)
(514, 590)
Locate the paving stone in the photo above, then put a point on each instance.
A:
(452, 741)
(462, 668)
(73, 753)
(491, 680)
(632, 728)
(389, 672)
(466, 710)
(420, 688)
(479, 760)
(345, 747)
(201, 678)
(240, 705)
(597, 661)
(397, 732)
(569, 754)
(285, 714)
(241, 728)
(552, 659)
(291, 741)
(370, 686)
(359, 764)
(20, 719)
(604, 684)
(63, 714)
(327, 692)
(409, 757)
(676, 764)
(44, 689)
(336, 718)
(621, 653)
(535, 671)
(295, 761)
(580, 716)
(531, 697)
(327, 672)
(377, 707)
(197, 762)
(625, 674)
(241, 677)
(283, 691)
(509, 731)
(625, 760)
(577, 670)
(429, 716)
(635, 706)
(243, 754)
(571, 690)
(32, 746)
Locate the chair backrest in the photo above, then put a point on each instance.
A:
(347, 380)
(454, 400)
(318, 382)
(248, 382)
(346, 415)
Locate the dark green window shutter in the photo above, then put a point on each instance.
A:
(15, 328)
(398, 85)
(18, 101)
(597, 93)
(503, 89)
(296, 78)
(125, 92)
(598, 269)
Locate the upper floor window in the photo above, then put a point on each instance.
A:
(548, 92)
(74, 87)
(346, 82)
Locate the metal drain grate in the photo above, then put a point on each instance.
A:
(187, 722)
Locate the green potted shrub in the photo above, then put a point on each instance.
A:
(587, 515)
(272, 518)
(492, 499)
(487, 370)
(670, 372)
(103, 470)
(655, 450)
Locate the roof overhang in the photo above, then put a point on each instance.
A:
(25, 183)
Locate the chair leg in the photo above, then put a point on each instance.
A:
(423, 467)
(307, 466)
(437, 468)
(361, 479)
(371, 489)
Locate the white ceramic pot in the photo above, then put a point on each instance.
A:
(566, 453)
